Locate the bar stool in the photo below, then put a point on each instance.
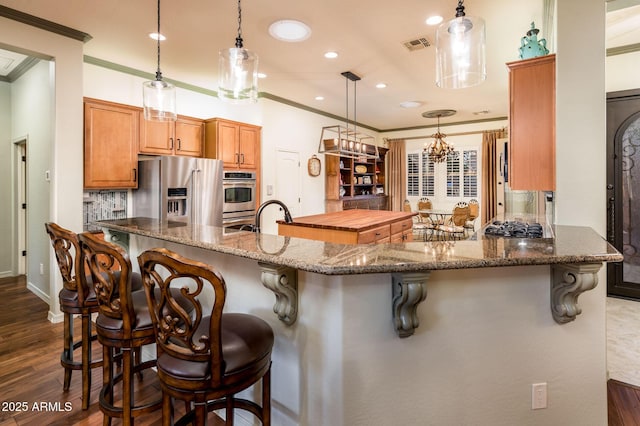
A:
(77, 297)
(123, 326)
(210, 356)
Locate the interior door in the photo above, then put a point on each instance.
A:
(288, 180)
(623, 188)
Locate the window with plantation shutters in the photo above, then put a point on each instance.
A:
(413, 175)
(428, 176)
(456, 178)
(470, 173)
(453, 174)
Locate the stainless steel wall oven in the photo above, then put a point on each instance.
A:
(239, 198)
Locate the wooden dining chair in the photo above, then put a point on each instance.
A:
(206, 357)
(474, 212)
(454, 228)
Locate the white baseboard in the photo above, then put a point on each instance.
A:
(6, 274)
(42, 295)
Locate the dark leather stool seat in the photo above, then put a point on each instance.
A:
(210, 356)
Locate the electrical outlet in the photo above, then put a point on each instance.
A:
(41, 269)
(538, 396)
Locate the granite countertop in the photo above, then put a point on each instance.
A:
(570, 244)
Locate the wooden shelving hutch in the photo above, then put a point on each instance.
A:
(353, 183)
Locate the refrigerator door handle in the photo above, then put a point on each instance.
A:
(194, 199)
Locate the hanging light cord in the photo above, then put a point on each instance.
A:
(239, 38)
(460, 9)
(158, 73)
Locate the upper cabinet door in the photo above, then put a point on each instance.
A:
(189, 137)
(532, 128)
(110, 145)
(227, 142)
(156, 137)
(249, 147)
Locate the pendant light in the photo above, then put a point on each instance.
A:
(238, 71)
(439, 149)
(158, 96)
(460, 51)
(345, 141)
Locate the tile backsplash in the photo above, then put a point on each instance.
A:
(103, 205)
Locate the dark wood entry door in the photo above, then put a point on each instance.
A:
(623, 191)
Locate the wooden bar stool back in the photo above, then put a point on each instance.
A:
(77, 297)
(211, 355)
(123, 326)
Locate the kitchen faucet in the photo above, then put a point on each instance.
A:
(287, 214)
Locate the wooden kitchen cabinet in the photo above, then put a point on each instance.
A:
(236, 144)
(182, 137)
(110, 145)
(532, 129)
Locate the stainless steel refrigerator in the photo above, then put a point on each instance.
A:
(183, 189)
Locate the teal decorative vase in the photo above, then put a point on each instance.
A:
(530, 46)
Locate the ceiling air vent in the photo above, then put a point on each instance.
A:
(417, 44)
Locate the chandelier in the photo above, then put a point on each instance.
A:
(439, 149)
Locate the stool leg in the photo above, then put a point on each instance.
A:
(127, 386)
(167, 410)
(67, 351)
(229, 419)
(266, 398)
(107, 379)
(86, 360)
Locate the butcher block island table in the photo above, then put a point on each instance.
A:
(352, 227)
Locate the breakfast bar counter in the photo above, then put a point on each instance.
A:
(359, 343)
(571, 244)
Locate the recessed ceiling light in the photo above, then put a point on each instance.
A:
(319, 98)
(262, 75)
(331, 55)
(434, 20)
(381, 85)
(410, 104)
(157, 36)
(289, 30)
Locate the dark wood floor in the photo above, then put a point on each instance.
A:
(624, 404)
(31, 375)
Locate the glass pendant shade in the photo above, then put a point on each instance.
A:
(159, 100)
(238, 75)
(159, 97)
(460, 53)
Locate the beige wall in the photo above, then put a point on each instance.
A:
(66, 138)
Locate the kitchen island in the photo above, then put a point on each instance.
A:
(351, 227)
(359, 343)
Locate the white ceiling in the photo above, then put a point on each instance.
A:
(368, 36)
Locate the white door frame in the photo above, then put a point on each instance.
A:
(19, 215)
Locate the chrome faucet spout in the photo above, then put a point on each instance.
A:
(287, 214)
